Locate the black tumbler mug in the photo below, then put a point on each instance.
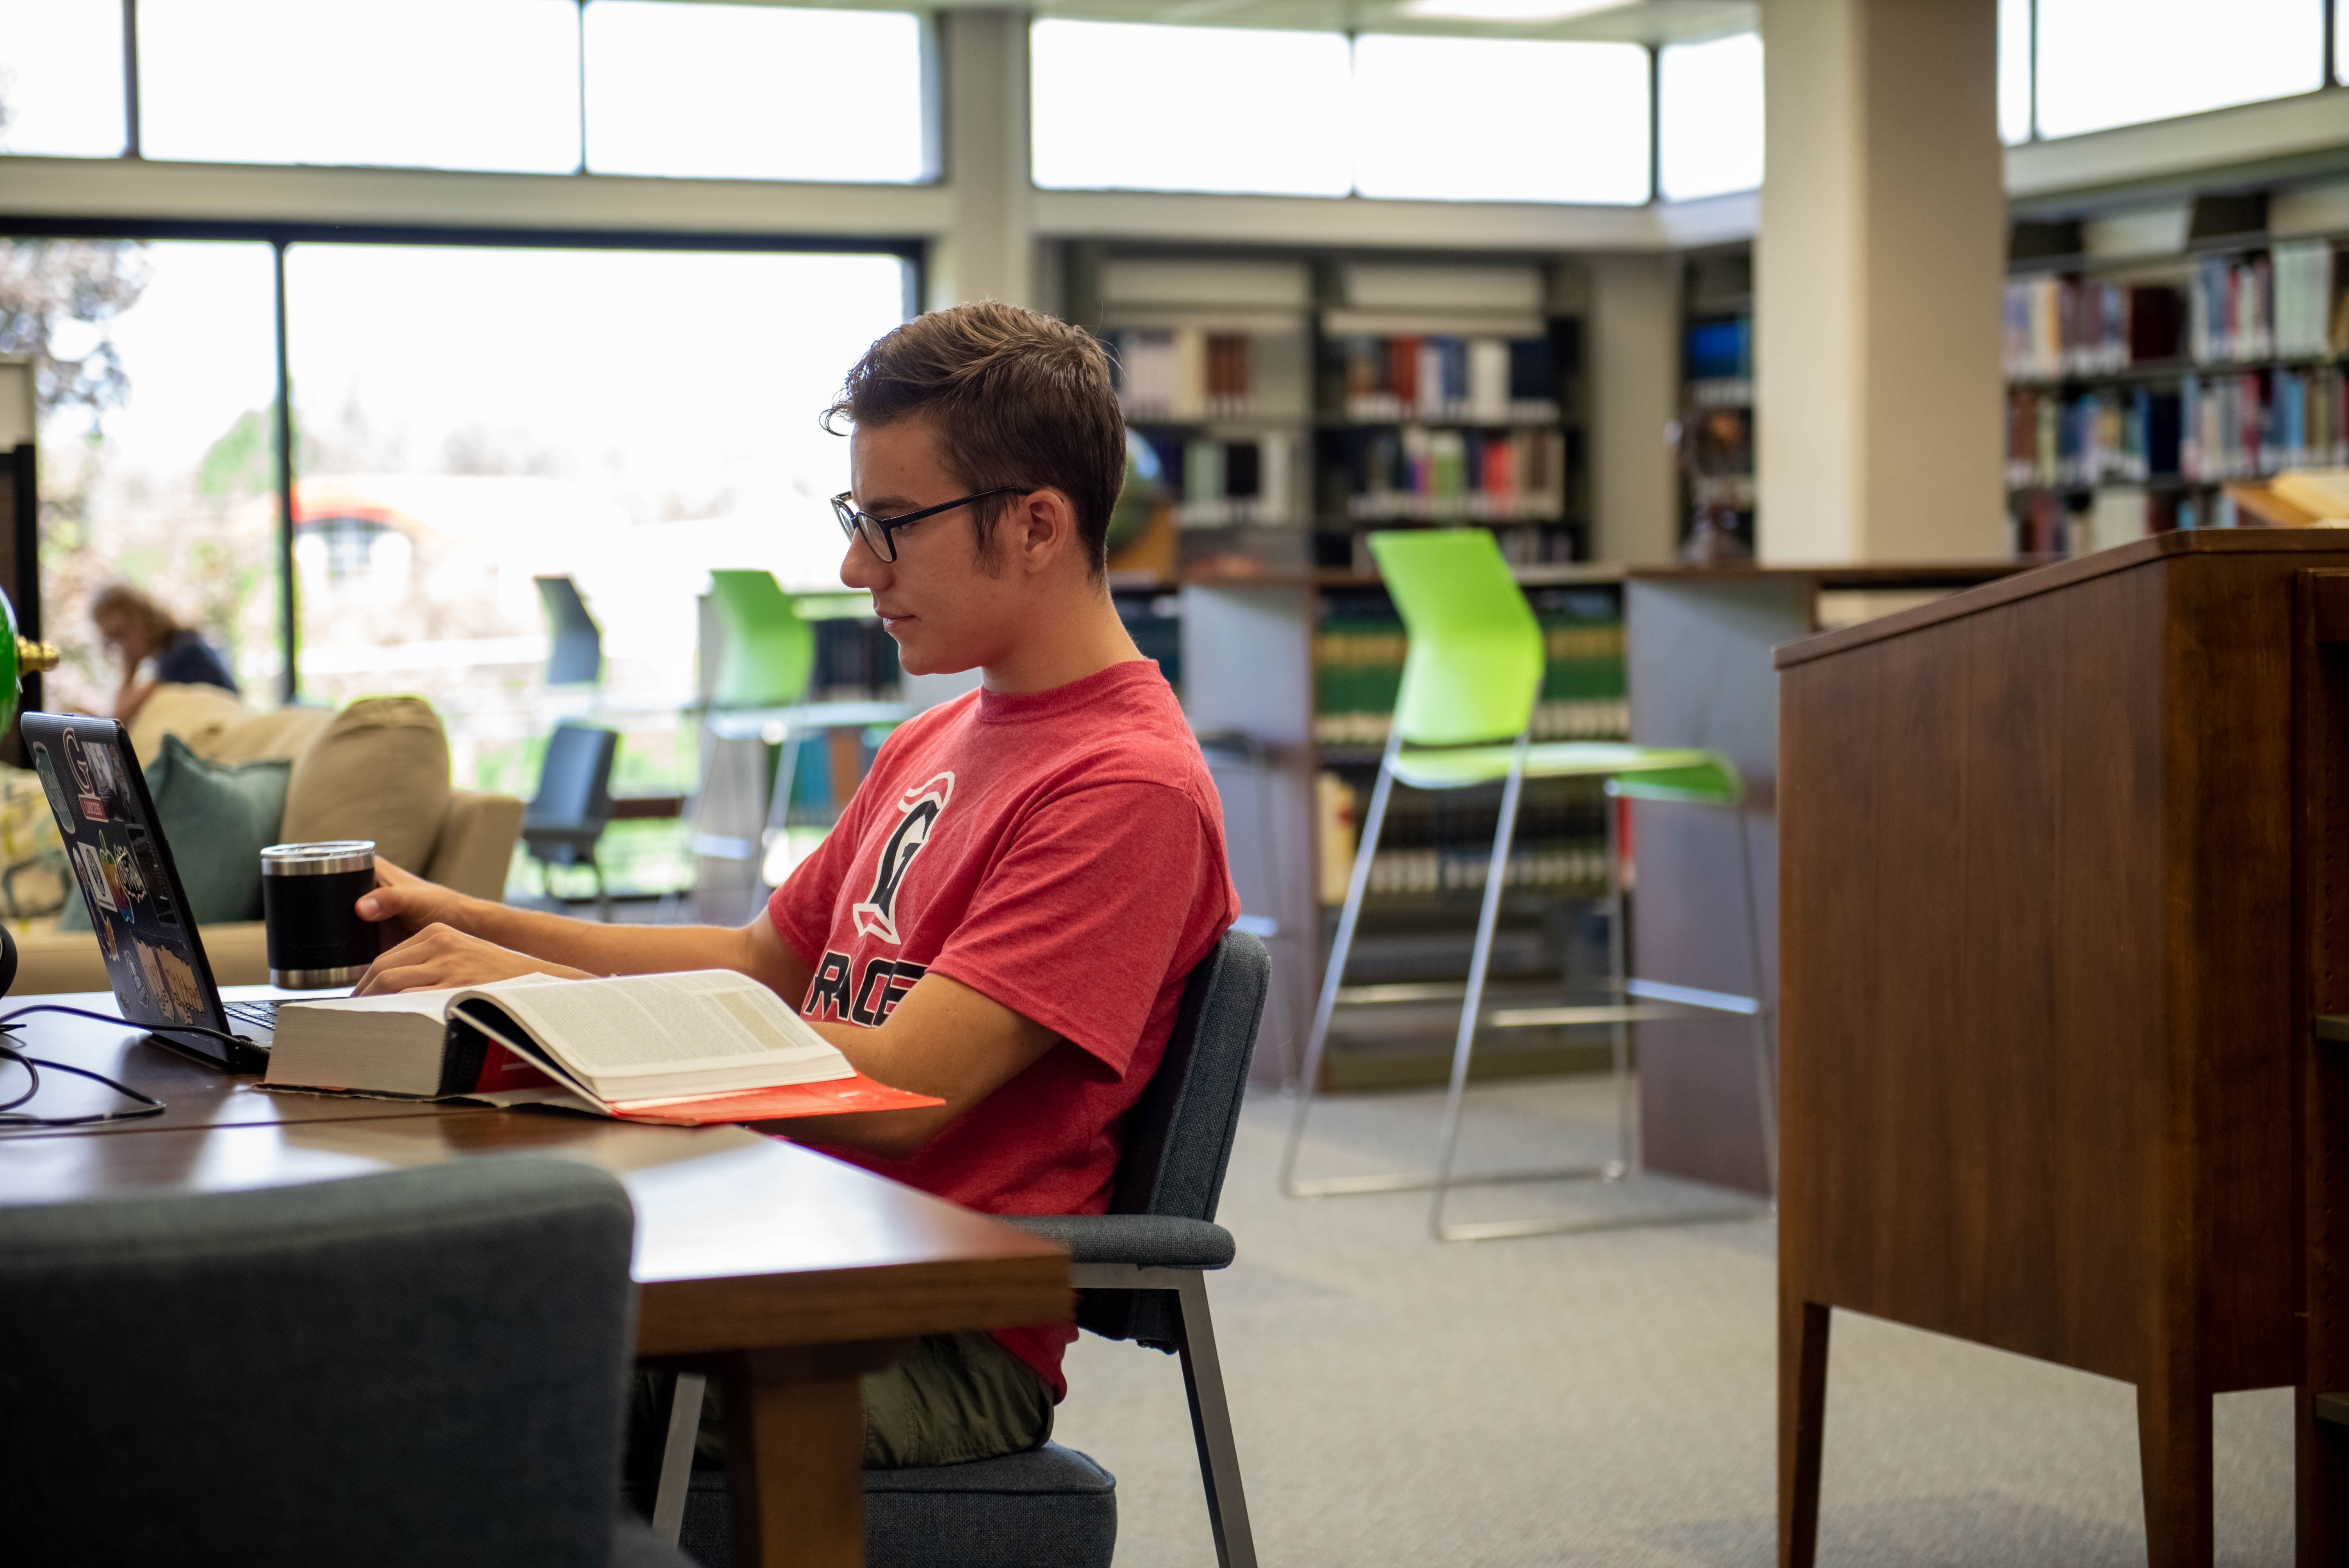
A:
(309, 894)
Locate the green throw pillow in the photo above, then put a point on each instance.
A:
(217, 818)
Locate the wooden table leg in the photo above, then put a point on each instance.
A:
(1801, 1427)
(795, 1452)
(2173, 1434)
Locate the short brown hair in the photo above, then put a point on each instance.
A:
(1017, 399)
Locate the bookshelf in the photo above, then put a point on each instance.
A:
(1716, 405)
(2141, 385)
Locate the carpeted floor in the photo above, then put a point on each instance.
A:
(1601, 1400)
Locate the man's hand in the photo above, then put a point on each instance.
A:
(438, 957)
(405, 903)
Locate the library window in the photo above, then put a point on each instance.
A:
(61, 77)
(2107, 63)
(628, 419)
(1515, 121)
(1710, 116)
(156, 380)
(748, 92)
(2013, 71)
(293, 81)
(1119, 106)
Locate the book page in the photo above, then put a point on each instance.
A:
(654, 1025)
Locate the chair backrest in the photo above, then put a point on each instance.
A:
(1178, 1137)
(1474, 668)
(576, 651)
(575, 782)
(423, 1368)
(770, 651)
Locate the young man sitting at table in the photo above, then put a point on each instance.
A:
(1007, 911)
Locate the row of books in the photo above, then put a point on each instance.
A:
(2058, 326)
(1438, 475)
(1471, 380)
(855, 661)
(2261, 307)
(1358, 656)
(1182, 373)
(1549, 868)
(2090, 438)
(1224, 483)
(2237, 427)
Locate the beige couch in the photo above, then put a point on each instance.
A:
(378, 769)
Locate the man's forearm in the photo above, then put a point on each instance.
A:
(606, 949)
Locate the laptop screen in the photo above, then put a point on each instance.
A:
(153, 958)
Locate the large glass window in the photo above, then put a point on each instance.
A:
(1520, 121)
(471, 419)
(1135, 107)
(752, 92)
(157, 375)
(431, 84)
(61, 77)
(2013, 71)
(1711, 117)
(2106, 63)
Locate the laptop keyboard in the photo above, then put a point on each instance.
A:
(258, 1019)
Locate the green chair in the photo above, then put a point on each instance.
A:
(1463, 718)
(766, 656)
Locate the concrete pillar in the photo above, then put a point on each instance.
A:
(1634, 381)
(1878, 276)
(989, 251)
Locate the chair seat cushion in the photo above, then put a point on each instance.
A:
(1148, 1241)
(1052, 1507)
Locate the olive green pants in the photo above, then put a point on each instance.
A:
(953, 1398)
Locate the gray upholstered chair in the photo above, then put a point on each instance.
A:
(421, 1368)
(1142, 1268)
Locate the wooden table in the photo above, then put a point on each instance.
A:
(783, 1273)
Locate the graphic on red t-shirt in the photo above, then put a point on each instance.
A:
(1059, 853)
(918, 807)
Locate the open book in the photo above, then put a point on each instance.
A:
(708, 1045)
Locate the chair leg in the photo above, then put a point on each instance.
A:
(1211, 1427)
(1315, 1041)
(677, 1455)
(1619, 989)
(1766, 1084)
(1463, 1044)
(778, 798)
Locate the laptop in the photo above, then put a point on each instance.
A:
(154, 958)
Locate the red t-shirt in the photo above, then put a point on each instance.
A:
(1060, 852)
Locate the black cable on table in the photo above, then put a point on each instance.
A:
(148, 1105)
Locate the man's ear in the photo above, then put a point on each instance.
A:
(1046, 527)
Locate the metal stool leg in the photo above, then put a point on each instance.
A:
(1307, 1087)
(1696, 1002)
(1765, 1085)
(1463, 1044)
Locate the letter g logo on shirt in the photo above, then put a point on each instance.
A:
(918, 809)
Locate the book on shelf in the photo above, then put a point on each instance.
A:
(707, 1045)
(2059, 327)
(2252, 423)
(1184, 373)
(1718, 362)
(1221, 483)
(1359, 647)
(1430, 845)
(1422, 474)
(1469, 380)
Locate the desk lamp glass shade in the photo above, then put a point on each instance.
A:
(18, 658)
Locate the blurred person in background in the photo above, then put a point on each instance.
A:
(143, 632)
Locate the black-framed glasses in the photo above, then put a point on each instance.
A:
(880, 532)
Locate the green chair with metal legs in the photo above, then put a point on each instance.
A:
(766, 658)
(1463, 718)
